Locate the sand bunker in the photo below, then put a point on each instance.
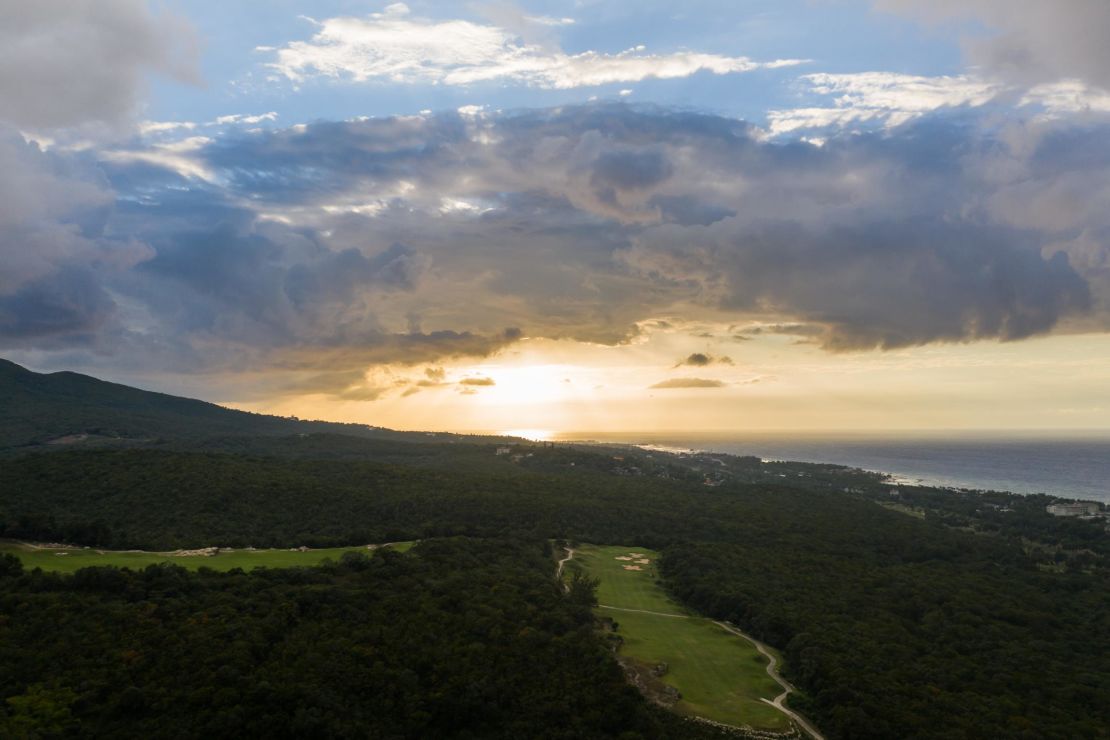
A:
(203, 552)
(622, 557)
(643, 561)
(632, 567)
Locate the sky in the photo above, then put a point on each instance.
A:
(578, 216)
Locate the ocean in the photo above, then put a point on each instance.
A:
(1072, 465)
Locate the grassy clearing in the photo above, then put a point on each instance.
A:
(52, 559)
(721, 677)
(903, 509)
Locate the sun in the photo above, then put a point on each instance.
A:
(527, 385)
(533, 401)
(535, 435)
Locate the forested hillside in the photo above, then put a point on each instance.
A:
(70, 408)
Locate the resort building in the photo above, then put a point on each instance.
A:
(1074, 508)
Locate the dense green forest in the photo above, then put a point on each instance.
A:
(1059, 542)
(894, 626)
(920, 614)
(459, 638)
(910, 643)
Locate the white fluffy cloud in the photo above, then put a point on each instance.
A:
(245, 118)
(887, 97)
(397, 47)
(891, 99)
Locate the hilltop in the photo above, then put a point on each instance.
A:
(67, 408)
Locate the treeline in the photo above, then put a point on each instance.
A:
(896, 640)
(164, 500)
(459, 638)
(1069, 542)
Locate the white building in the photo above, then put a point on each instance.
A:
(1074, 508)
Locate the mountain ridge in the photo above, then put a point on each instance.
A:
(42, 408)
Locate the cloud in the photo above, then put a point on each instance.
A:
(247, 119)
(329, 246)
(1027, 41)
(888, 99)
(796, 330)
(63, 308)
(869, 238)
(701, 359)
(863, 237)
(477, 381)
(364, 393)
(397, 47)
(71, 62)
(546, 20)
(162, 127)
(689, 383)
(179, 156)
(54, 246)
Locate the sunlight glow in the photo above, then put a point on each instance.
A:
(536, 435)
(528, 384)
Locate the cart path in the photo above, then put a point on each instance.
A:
(570, 555)
(772, 661)
(772, 671)
(644, 611)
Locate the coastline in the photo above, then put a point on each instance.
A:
(1073, 467)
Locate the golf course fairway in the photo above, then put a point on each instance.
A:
(70, 559)
(721, 677)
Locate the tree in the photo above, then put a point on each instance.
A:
(582, 589)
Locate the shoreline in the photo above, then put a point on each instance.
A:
(1073, 490)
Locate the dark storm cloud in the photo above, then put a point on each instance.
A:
(55, 252)
(410, 240)
(888, 284)
(64, 308)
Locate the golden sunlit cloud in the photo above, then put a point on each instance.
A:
(539, 389)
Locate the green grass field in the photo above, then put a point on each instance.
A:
(721, 676)
(75, 558)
